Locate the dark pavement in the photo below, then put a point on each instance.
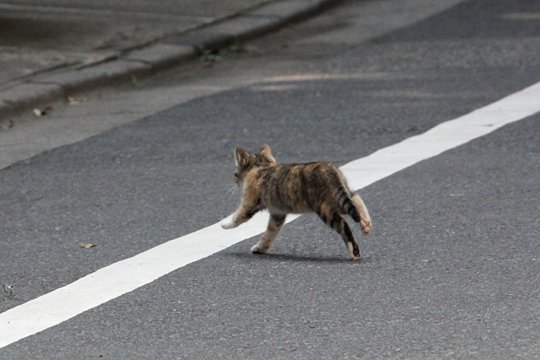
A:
(51, 51)
(39, 36)
(451, 271)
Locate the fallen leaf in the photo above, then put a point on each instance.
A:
(8, 289)
(73, 101)
(87, 245)
(7, 124)
(42, 112)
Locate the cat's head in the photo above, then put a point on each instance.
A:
(245, 161)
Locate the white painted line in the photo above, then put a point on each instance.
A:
(443, 137)
(129, 274)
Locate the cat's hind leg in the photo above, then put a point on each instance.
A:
(365, 219)
(336, 222)
(275, 223)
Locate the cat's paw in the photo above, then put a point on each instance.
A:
(355, 257)
(352, 250)
(258, 249)
(366, 226)
(227, 223)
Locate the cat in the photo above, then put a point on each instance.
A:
(282, 189)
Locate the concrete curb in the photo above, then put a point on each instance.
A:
(167, 52)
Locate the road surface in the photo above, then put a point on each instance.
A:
(451, 270)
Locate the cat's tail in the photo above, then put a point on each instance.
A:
(353, 205)
(349, 207)
(350, 203)
(357, 210)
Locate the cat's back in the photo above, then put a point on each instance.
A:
(304, 173)
(297, 187)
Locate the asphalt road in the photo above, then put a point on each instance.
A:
(452, 269)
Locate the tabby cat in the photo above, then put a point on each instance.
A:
(295, 188)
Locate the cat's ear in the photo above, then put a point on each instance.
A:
(267, 152)
(241, 157)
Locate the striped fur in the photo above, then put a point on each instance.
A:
(282, 189)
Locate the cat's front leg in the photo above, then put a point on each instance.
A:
(275, 223)
(239, 217)
(228, 222)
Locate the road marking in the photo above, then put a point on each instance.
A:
(127, 275)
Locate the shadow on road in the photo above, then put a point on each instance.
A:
(294, 258)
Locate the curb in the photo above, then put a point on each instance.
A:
(165, 53)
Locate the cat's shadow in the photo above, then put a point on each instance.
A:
(294, 258)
